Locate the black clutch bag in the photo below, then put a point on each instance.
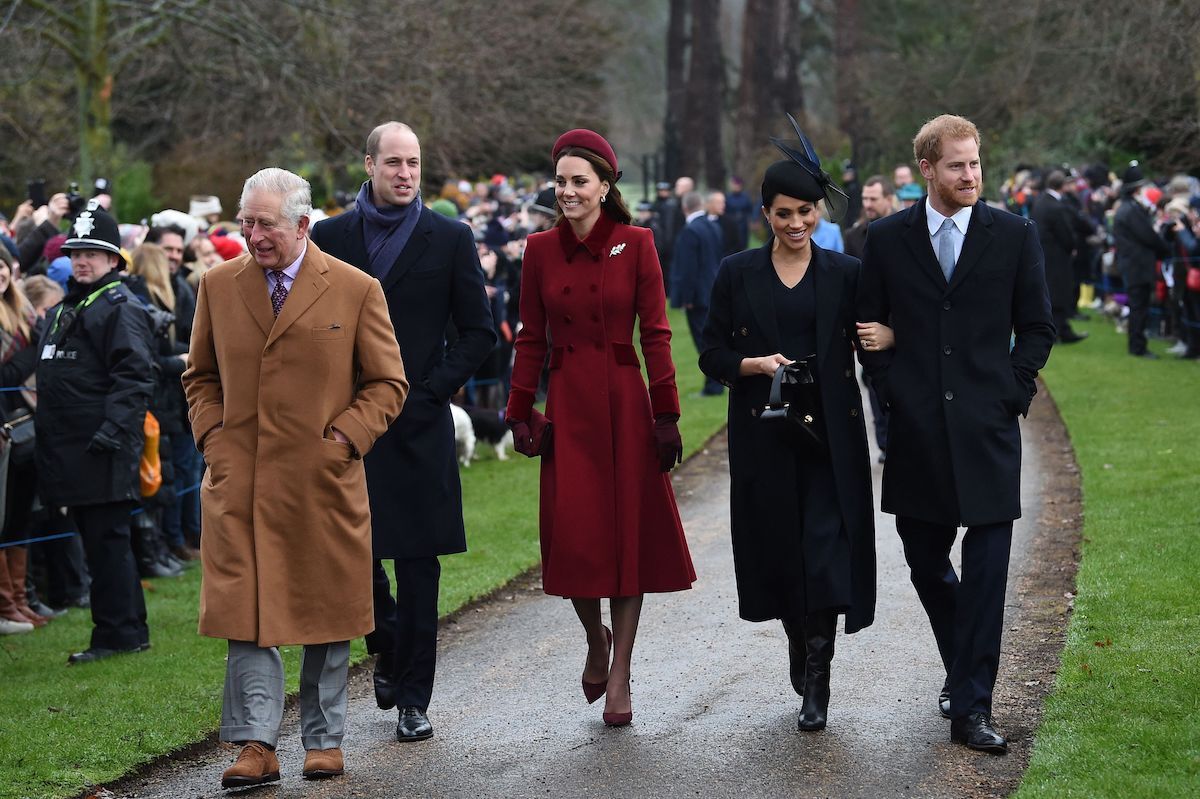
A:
(798, 419)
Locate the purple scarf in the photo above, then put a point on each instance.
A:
(386, 230)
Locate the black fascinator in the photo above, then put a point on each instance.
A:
(801, 152)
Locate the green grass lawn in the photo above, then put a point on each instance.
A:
(62, 729)
(1124, 717)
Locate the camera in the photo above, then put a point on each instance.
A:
(76, 202)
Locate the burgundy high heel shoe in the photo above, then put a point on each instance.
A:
(619, 719)
(594, 690)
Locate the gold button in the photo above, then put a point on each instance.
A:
(854, 411)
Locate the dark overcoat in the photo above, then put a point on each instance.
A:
(608, 522)
(952, 386)
(765, 518)
(412, 473)
(1056, 231)
(1139, 247)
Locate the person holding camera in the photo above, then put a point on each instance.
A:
(801, 513)
(47, 216)
(1139, 248)
(95, 378)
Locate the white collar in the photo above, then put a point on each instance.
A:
(961, 217)
(695, 215)
(1054, 194)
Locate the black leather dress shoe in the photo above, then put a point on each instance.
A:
(977, 732)
(385, 689)
(92, 654)
(944, 699)
(413, 725)
(1071, 337)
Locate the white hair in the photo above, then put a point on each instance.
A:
(296, 194)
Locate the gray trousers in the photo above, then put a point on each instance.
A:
(252, 708)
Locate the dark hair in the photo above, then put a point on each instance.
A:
(614, 206)
(154, 235)
(1055, 180)
(882, 182)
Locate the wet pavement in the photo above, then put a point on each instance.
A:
(714, 712)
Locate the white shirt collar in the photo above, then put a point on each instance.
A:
(961, 217)
(695, 215)
(1054, 194)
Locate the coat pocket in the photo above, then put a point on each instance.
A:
(331, 332)
(625, 355)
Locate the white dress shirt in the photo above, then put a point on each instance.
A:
(289, 273)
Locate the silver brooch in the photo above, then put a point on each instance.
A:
(616, 250)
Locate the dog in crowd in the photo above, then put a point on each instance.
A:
(472, 425)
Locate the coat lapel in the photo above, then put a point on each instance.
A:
(353, 242)
(979, 236)
(828, 291)
(758, 277)
(917, 239)
(418, 243)
(252, 286)
(310, 283)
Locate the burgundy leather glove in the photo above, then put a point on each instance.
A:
(667, 441)
(531, 438)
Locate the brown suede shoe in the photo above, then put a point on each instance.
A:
(256, 764)
(322, 763)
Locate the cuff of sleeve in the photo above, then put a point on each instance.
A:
(664, 399)
(203, 424)
(360, 438)
(520, 405)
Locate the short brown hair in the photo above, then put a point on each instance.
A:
(884, 184)
(927, 145)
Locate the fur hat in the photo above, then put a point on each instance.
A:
(201, 205)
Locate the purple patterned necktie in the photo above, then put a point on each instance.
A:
(279, 293)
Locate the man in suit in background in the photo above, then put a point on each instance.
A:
(1056, 228)
(697, 258)
(956, 279)
(714, 209)
(430, 271)
(1139, 248)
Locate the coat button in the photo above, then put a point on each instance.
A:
(743, 332)
(853, 412)
(946, 350)
(595, 288)
(946, 305)
(849, 372)
(949, 395)
(566, 289)
(567, 319)
(595, 317)
(570, 348)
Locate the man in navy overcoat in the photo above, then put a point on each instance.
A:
(964, 288)
(430, 272)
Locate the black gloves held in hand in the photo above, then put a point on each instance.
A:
(667, 441)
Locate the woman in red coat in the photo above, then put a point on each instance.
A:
(609, 525)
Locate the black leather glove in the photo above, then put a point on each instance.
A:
(667, 441)
(102, 444)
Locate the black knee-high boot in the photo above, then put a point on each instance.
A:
(820, 629)
(797, 652)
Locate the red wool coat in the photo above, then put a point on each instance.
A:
(609, 525)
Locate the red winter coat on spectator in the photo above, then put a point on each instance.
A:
(609, 525)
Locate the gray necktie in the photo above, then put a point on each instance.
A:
(946, 248)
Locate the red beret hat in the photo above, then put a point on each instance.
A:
(588, 140)
(226, 247)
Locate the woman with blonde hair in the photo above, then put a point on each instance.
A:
(16, 463)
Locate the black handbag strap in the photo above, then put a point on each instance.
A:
(775, 398)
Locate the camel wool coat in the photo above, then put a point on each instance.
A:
(286, 527)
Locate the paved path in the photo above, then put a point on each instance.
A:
(714, 713)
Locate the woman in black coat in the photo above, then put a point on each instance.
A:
(802, 519)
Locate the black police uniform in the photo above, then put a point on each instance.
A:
(95, 378)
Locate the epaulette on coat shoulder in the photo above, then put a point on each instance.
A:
(115, 295)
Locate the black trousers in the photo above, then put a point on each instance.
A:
(118, 605)
(405, 635)
(696, 317)
(1139, 312)
(967, 616)
(878, 414)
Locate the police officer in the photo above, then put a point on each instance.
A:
(95, 378)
